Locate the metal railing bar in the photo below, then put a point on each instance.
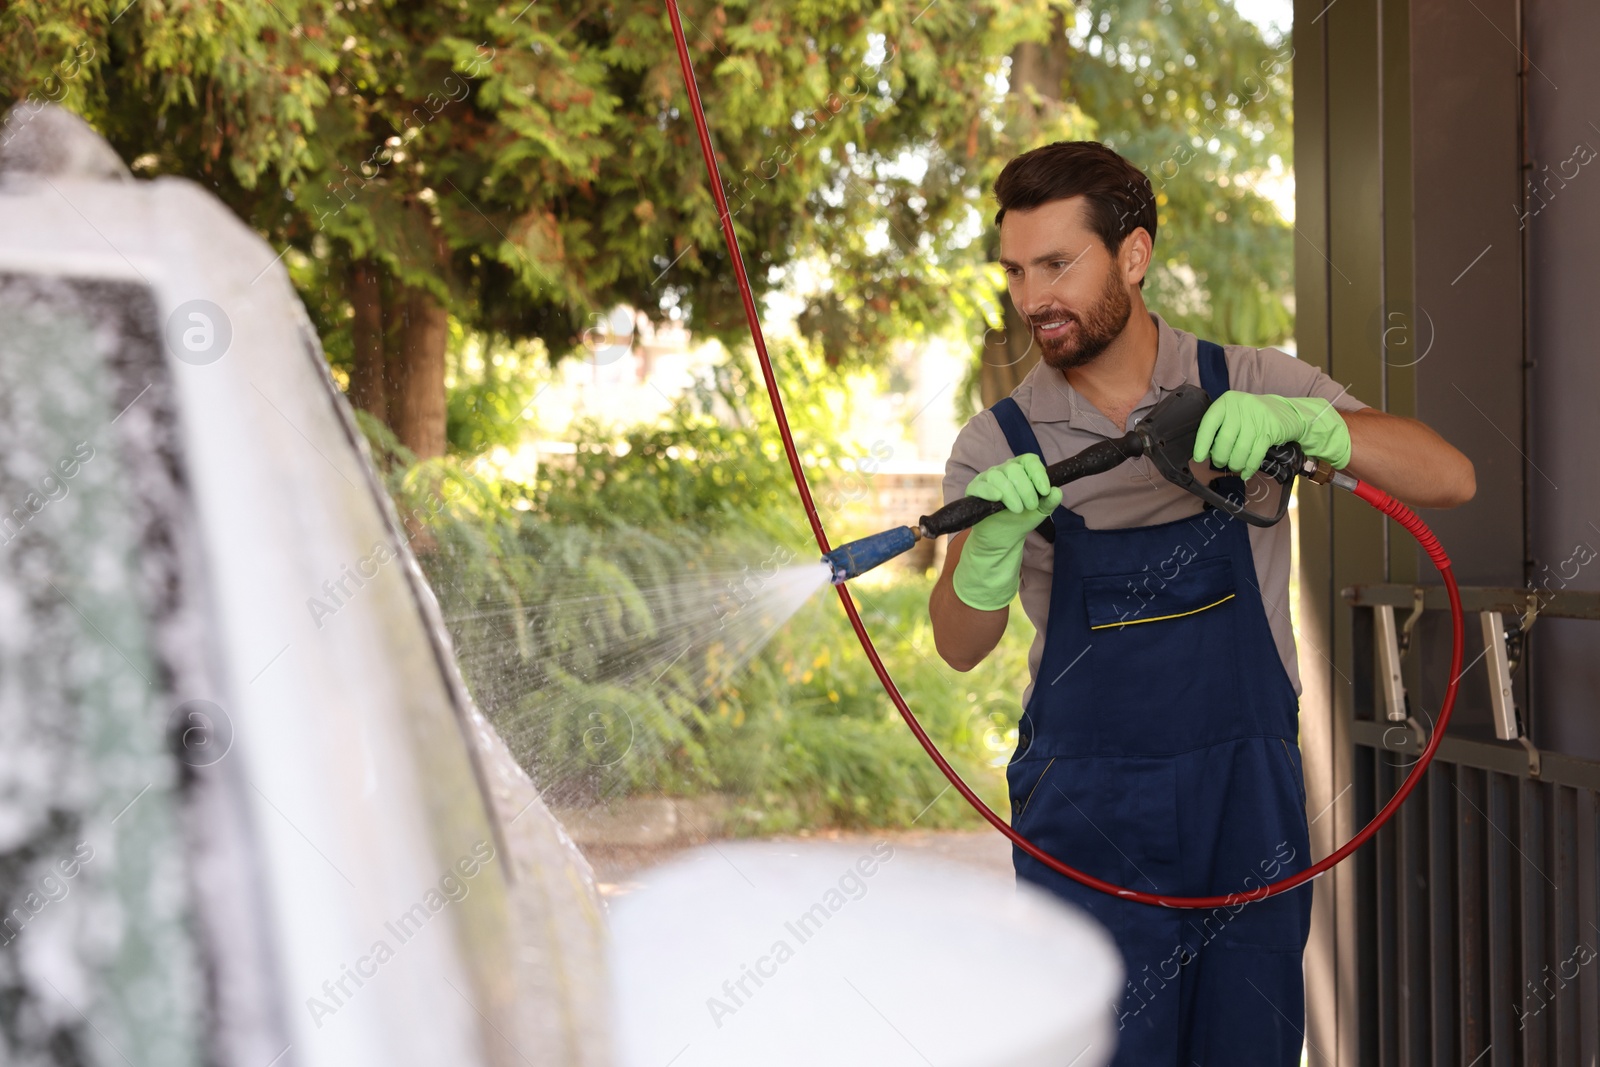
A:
(1503, 757)
(1442, 905)
(1505, 969)
(1510, 600)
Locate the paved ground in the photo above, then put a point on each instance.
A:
(624, 868)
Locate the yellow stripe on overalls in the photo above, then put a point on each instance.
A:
(1159, 618)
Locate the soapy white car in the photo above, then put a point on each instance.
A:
(248, 814)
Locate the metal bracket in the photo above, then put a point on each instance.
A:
(1411, 620)
(1502, 697)
(1530, 613)
(1389, 648)
(1517, 635)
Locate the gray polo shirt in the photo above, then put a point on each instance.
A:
(1135, 494)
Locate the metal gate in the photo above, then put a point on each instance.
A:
(1478, 907)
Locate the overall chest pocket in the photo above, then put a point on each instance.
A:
(1121, 601)
(1166, 654)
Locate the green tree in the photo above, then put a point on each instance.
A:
(1197, 97)
(524, 169)
(1202, 101)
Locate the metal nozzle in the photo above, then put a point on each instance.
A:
(1319, 471)
(856, 558)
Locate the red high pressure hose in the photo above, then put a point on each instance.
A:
(1376, 497)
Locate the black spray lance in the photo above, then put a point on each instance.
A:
(1166, 435)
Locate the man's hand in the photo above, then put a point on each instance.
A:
(990, 569)
(1239, 427)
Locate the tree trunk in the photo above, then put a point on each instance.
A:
(417, 405)
(1042, 67)
(1038, 72)
(368, 387)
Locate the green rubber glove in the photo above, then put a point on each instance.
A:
(1238, 429)
(990, 570)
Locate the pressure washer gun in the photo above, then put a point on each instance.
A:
(1166, 436)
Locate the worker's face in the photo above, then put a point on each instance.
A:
(1073, 292)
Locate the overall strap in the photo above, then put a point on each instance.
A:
(1021, 438)
(1213, 369)
(1014, 424)
(1214, 380)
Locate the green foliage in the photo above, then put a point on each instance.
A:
(715, 461)
(692, 472)
(491, 390)
(585, 612)
(231, 90)
(813, 739)
(535, 167)
(1193, 94)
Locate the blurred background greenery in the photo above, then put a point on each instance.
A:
(490, 208)
(584, 606)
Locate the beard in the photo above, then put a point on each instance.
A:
(1096, 328)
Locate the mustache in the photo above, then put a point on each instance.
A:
(1054, 316)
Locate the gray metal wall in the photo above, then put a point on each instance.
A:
(1422, 285)
(1562, 228)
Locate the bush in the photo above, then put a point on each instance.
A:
(609, 620)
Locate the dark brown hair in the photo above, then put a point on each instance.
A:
(1118, 194)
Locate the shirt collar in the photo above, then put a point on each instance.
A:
(1054, 400)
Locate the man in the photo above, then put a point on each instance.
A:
(1159, 747)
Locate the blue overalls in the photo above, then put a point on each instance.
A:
(1159, 751)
